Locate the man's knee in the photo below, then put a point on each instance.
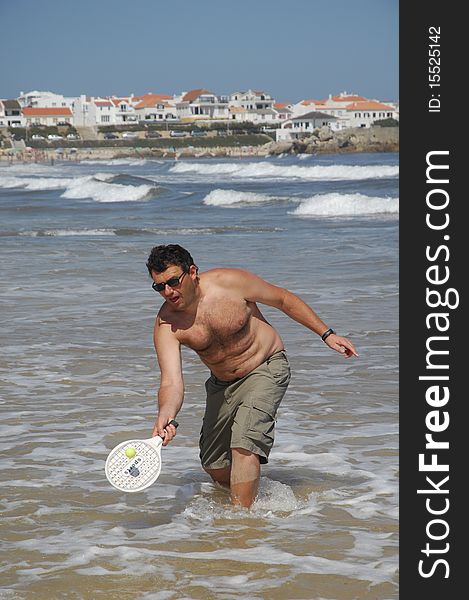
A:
(219, 475)
(245, 456)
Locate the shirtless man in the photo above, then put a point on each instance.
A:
(216, 315)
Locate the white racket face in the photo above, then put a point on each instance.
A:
(134, 473)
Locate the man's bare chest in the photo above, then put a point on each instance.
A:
(218, 324)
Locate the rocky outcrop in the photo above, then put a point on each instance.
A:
(326, 141)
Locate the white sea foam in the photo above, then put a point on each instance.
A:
(35, 183)
(266, 169)
(335, 204)
(101, 191)
(67, 232)
(228, 197)
(94, 186)
(134, 162)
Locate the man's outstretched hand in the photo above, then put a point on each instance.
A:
(341, 345)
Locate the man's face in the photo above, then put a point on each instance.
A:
(177, 285)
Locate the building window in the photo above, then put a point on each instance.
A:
(105, 118)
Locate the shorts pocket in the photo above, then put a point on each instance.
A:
(279, 368)
(261, 420)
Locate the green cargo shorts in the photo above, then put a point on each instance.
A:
(241, 413)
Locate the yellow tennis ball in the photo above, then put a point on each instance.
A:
(130, 452)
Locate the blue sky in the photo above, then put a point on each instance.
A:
(293, 49)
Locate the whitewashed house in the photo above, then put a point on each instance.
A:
(154, 108)
(47, 116)
(262, 116)
(201, 104)
(283, 111)
(38, 99)
(349, 110)
(252, 99)
(337, 107)
(83, 114)
(254, 106)
(305, 106)
(125, 111)
(305, 124)
(10, 114)
(364, 114)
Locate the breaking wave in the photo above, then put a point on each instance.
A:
(350, 205)
(229, 197)
(103, 191)
(266, 169)
(98, 187)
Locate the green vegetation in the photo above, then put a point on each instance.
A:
(166, 143)
(386, 123)
(242, 127)
(26, 133)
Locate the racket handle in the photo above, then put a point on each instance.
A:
(157, 437)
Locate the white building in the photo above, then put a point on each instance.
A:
(259, 116)
(252, 100)
(10, 114)
(47, 116)
(350, 110)
(201, 104)
(364, 114)
(155, 108)
(305, 106)
(38, 99)
(83, 111)
(299, 126)
(283, 110)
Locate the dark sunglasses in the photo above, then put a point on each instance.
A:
(172, 283)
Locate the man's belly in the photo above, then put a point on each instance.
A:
(232, 361)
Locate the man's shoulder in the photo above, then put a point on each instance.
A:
(164, 314)
(224, 274)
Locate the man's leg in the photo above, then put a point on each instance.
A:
(221, 476)
(245, 475)
(242, 478)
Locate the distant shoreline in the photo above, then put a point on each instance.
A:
(373, 139)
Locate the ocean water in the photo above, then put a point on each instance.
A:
(78, 375)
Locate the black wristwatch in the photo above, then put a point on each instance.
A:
(326, 334)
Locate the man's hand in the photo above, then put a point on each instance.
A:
(164, 429)
(341, 345)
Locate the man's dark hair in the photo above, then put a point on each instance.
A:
(161, 257)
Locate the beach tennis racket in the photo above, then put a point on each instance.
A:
(134, 465)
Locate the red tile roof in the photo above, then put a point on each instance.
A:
(150, 100)
(308, 102)
(194, 94)
(149, 96)
(351, 98)
(368, 105)
(47, 112)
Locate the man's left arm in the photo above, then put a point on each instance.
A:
(256, 289)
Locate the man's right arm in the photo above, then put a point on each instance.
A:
(171, 390)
